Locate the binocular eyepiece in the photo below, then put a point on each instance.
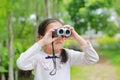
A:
(61, 32)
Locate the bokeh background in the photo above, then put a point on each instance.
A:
(96, 20)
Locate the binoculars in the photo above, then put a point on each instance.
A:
(61, 32)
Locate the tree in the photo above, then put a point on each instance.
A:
(47, 8)
(10, 47)
(54, 8)
(37, 19)
(91, 13)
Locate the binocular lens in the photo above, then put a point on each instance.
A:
(61, 31)
(67, 32)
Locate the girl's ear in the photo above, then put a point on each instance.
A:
(40, 37)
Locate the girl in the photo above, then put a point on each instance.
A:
(38, 56)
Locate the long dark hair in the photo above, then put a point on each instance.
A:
(41, 32)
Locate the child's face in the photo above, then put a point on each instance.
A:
(59, 42)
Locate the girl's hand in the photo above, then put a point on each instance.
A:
(47, 38)
(76, 36)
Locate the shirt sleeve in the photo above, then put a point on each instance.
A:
(88, 56)
(26, 61)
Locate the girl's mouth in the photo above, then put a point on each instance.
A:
(58, 42)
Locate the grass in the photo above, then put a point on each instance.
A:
(114, 56)
(118, 71)
(77, 73)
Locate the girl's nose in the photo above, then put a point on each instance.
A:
(63, 37)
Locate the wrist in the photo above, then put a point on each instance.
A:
(41, 42)
(81, 40)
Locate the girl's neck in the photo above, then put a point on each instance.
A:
(49, 51)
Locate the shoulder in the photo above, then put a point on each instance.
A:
(70, 50)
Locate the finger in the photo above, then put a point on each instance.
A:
(69, 27)
(53, 39)
(66, 25)
(65, 38)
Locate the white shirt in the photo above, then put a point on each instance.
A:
(34, 58)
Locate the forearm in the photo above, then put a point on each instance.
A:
(80, 40)
(87, 56)
(90, 55)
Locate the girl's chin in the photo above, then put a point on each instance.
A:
(58, 44)
(58, 47)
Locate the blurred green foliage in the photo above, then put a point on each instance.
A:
(2, 69)
(92, 13)
(106, 42)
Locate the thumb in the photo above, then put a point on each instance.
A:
(54, 39)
